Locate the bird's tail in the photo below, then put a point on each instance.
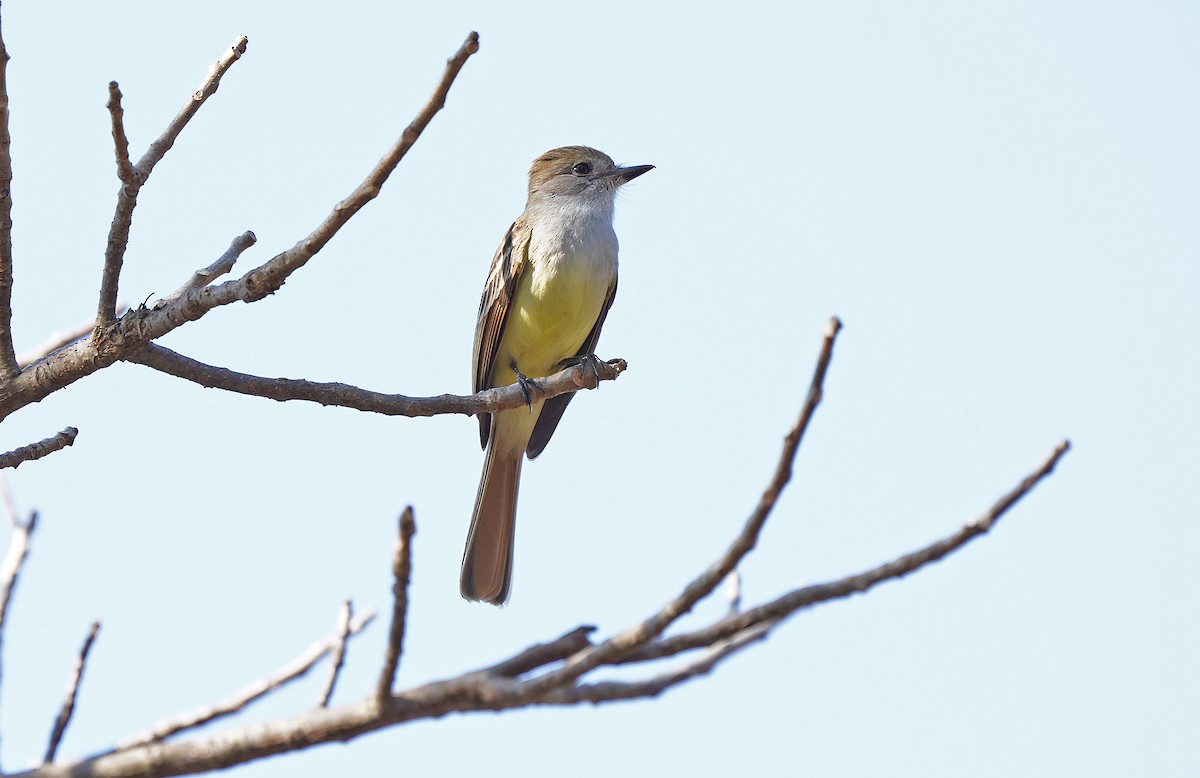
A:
(488, 559)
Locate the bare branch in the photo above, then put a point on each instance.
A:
(401, 573)
(118, 235)
(614, 648)
(114, 340)
(782, 607)
(59, 339)
(68, 706)
(286, 674)
(500, 688)
(203, 277)
(8, 359)
(345, 614)
(125, 170)
(38, 450)
(346, 396)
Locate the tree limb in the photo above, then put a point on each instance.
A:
(346, 396)
(515, 682)
(114, 340)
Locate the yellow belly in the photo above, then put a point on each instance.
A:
(552, 312)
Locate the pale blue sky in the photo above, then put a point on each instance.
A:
(999, 199)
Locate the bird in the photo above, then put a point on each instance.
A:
(551, 283)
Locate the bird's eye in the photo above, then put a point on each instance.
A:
(582, 168)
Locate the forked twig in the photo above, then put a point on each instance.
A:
(133, 177)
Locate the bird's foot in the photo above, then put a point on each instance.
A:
(527, 384)
(588, 364)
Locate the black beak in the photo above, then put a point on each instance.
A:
(624, 175)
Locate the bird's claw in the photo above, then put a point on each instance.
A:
(586, 362)
(527, 384)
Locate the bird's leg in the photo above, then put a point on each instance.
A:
(586, 362)
(526, 383)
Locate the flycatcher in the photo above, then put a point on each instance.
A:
(550, 286)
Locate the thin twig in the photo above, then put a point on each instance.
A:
(14, 560)
(125, 170)
(118, 235)
(609, 691)
(612, 649)
(346, 396)
(805, 597)
(59, 339)
(401, 573)
(68, 706)
(38, 450)
(8, 358)
(542, 654)
(205, 276)
(345, 614)
(284, 675)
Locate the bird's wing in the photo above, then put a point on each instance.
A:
(510, 261)
(552, 409)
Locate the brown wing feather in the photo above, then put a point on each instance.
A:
(553, 409)
(508, 264)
